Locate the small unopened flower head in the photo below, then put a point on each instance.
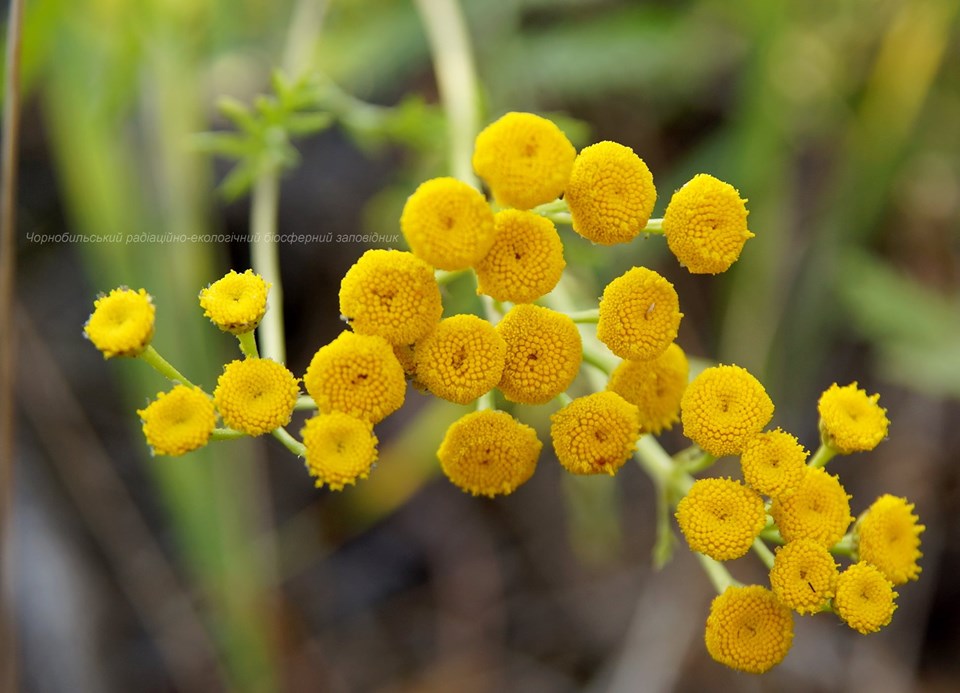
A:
(748, 629)
(705, 225)
(525, 159)
(851, 420)
(356, 374)
(461, 359)
(595, 434)
(237, 302)
(865, 598)
(888, 536)
(804, 575)
(178, 421)
(340, 449)
(121, 323)
(721, 518)
(256, 395)
(654, 386)
(525, 261)
(489, 453)
(610, 193)
(639, 315)
(774, 463)
(818, 510)
(723, 408)
(544, 352)
(447, 224)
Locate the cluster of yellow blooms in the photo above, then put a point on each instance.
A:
(532, 355)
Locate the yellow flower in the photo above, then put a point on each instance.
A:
(237, 302)
(723, 408)
(448, 224)
(595, 434)
(850, 420)
(461, 359)
(706, 225)
(655, 386)
(804, 576)
(639, 315)
(748, 629)
(865, 598)
(888, 536)
(356, 374)
(340, 449)
(774, 463)
(256, 395)
(391, 293)
(543, 354)
(525, 261)
(178, 421)
(721, 518)
(610, 193)
(489, 453)
(121, 323)
(818, 510)
(525, 159)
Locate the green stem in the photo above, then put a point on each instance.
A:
(762, 550)
(719, 576)
(695, 460)
(248, 345)
(486, 401)
(598, 361)
(823, 455)
(559, 217)
(153, 358)
(289, 442)
(226, 434)
(772, 534)
(265, 261)
(654, 226)
(564, 399)
(666, 540)
(444, 277)
(304, 402)
(845, 547)
(591, 316)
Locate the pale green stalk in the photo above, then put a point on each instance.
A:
(152, 357)
(265, 260)
(823, 455)
(289, 442)
(248, 345)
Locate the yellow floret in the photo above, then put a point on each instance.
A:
(340, 449)
(655, 386)
(489, 453)
(595, 434)
(774, 463)
(178, 421)
(804, 576)
(851, 420)
(121, 323)
(358, 375)
(888, 537)
(818, 510)
(447, 224)
(525, 261)
(865, 598)
(748, 629)
(525, 159)
(391, 293)
(544, 352)
(461, 359)
(256, 395)
(706, 225)
(639, 315)
(721, 518)
(723, 408)
(610, 193)
(237, 302)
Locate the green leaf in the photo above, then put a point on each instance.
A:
(300, 124)
(226, 144)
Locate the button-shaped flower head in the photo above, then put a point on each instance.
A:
(255, 395)
(461, 359)
(340, 449)
(888, 536)
(654, 386)
(774, 463)
(748, 629)
(721, 518)
(818, 510)
(804, 575)
(851, 420)
(237, 302)
(865, 598)
(639, 315)
(121, 323)
(525, 159)
(595, 434)
(178, 421)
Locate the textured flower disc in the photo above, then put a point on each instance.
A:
(818, 510)
(888, 536)
(237, 302)
(851, 420)
(639, 315)
(865, 598)
(804, 575)
(256, 395)
(774, 463)
(721, 518)
(748, 629)
(461, 359)
(655, 387)
(121, 323)
(178, 421)
(595, 434)
(339, 449)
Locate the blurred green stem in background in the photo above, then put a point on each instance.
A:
(265, 260)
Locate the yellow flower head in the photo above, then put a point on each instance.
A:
(655, 386)
(525, 159)
(723, 408)
(721, 518)
(525, 261)
(804, 575)
(237, 302)
(774, 463)
(595, 434)
(610, 193)
(391, 293)
(543, 353)
(489, 453)
(461, 359)
(888, 535)
(121, 323)
(818, 510)
(340, 449)
(851, 420)
(865, 598)
(639, 315)
(356, 374)
(256, 395)
(447, 224)
(178, 421)
(748, 629)
(706, 225)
